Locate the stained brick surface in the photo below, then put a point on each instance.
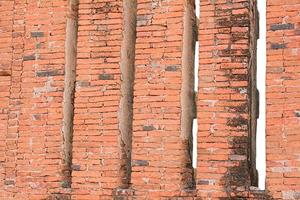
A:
(223, 100)
(32, 61)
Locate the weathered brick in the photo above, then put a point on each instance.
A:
(4, 73)
(48, 73)
(9, 182)
(37, 34)
(140, 163)
(203, 182)
(148, 128)
(276, 27)
(172, 68)
(31, 107)
(76, 167)
(106, 77)
(29, 57)
(278, 46)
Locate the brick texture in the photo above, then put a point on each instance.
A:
(95, 141)
(6, 24)
(156, 122)
(32, 62)
(32, 136)
(283, 102)
(223, 100)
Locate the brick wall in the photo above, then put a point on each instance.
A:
(6, 62)
(95, 143)
(223, 100)
(283, 102)
(32, 52)
(156, 113)
(31, 146)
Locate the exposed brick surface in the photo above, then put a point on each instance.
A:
(32, 61)
(32, 138)
(283, 99)
(95, 141)
(223, 100)
(156, 116)
(6, 24)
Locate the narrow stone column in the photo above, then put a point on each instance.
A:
(188, 108)
(253, 91)
(127, 81)
(69, 88)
